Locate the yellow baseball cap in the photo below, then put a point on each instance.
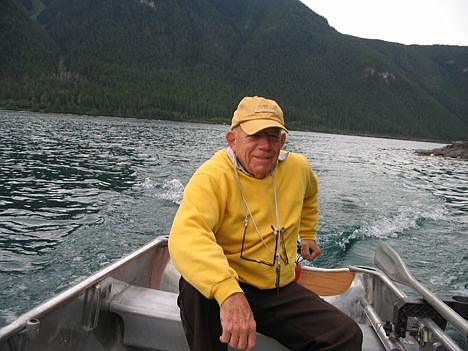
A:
(255, 113)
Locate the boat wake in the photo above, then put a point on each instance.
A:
(338, 239)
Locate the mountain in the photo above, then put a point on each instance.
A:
(195, 59)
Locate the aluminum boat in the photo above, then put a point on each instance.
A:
(131, 305)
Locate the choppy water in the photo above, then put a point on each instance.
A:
(77, 193)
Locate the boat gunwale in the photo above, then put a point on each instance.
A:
(362, 275)
(75, 290)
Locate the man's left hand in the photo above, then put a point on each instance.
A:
(310, 249)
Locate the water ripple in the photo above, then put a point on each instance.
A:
(79, 192)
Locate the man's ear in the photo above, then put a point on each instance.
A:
(231, 139)
(283, 139)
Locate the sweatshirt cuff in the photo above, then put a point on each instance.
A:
(225, 289)
(307, 236)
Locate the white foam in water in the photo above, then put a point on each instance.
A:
(148, 183)
(408, 217)
(173, 190)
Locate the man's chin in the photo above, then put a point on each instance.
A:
(261, 172)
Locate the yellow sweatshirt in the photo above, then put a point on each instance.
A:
(213, 241)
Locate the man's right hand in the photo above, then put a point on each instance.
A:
(238, 323)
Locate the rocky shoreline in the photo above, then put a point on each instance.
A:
(458, 149)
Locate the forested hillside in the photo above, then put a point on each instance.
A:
(194, 59)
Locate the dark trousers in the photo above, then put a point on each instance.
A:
(297, 318)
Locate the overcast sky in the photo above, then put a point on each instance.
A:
(403, 21)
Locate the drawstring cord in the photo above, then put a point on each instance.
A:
(277, 230)
(278, 233)
(248, 213)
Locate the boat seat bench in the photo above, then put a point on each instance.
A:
(151, 320)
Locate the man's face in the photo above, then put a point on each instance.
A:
(258, 153)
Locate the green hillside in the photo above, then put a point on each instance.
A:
(193, 60)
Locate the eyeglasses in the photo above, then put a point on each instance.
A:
(283, 254)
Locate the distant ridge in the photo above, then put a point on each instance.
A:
(193, 60)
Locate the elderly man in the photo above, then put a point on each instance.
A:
(234, 238)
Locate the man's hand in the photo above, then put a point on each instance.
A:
(238, 323)
(310, 249)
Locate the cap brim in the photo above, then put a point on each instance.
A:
(256, 125)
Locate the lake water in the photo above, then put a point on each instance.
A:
(78, 192)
